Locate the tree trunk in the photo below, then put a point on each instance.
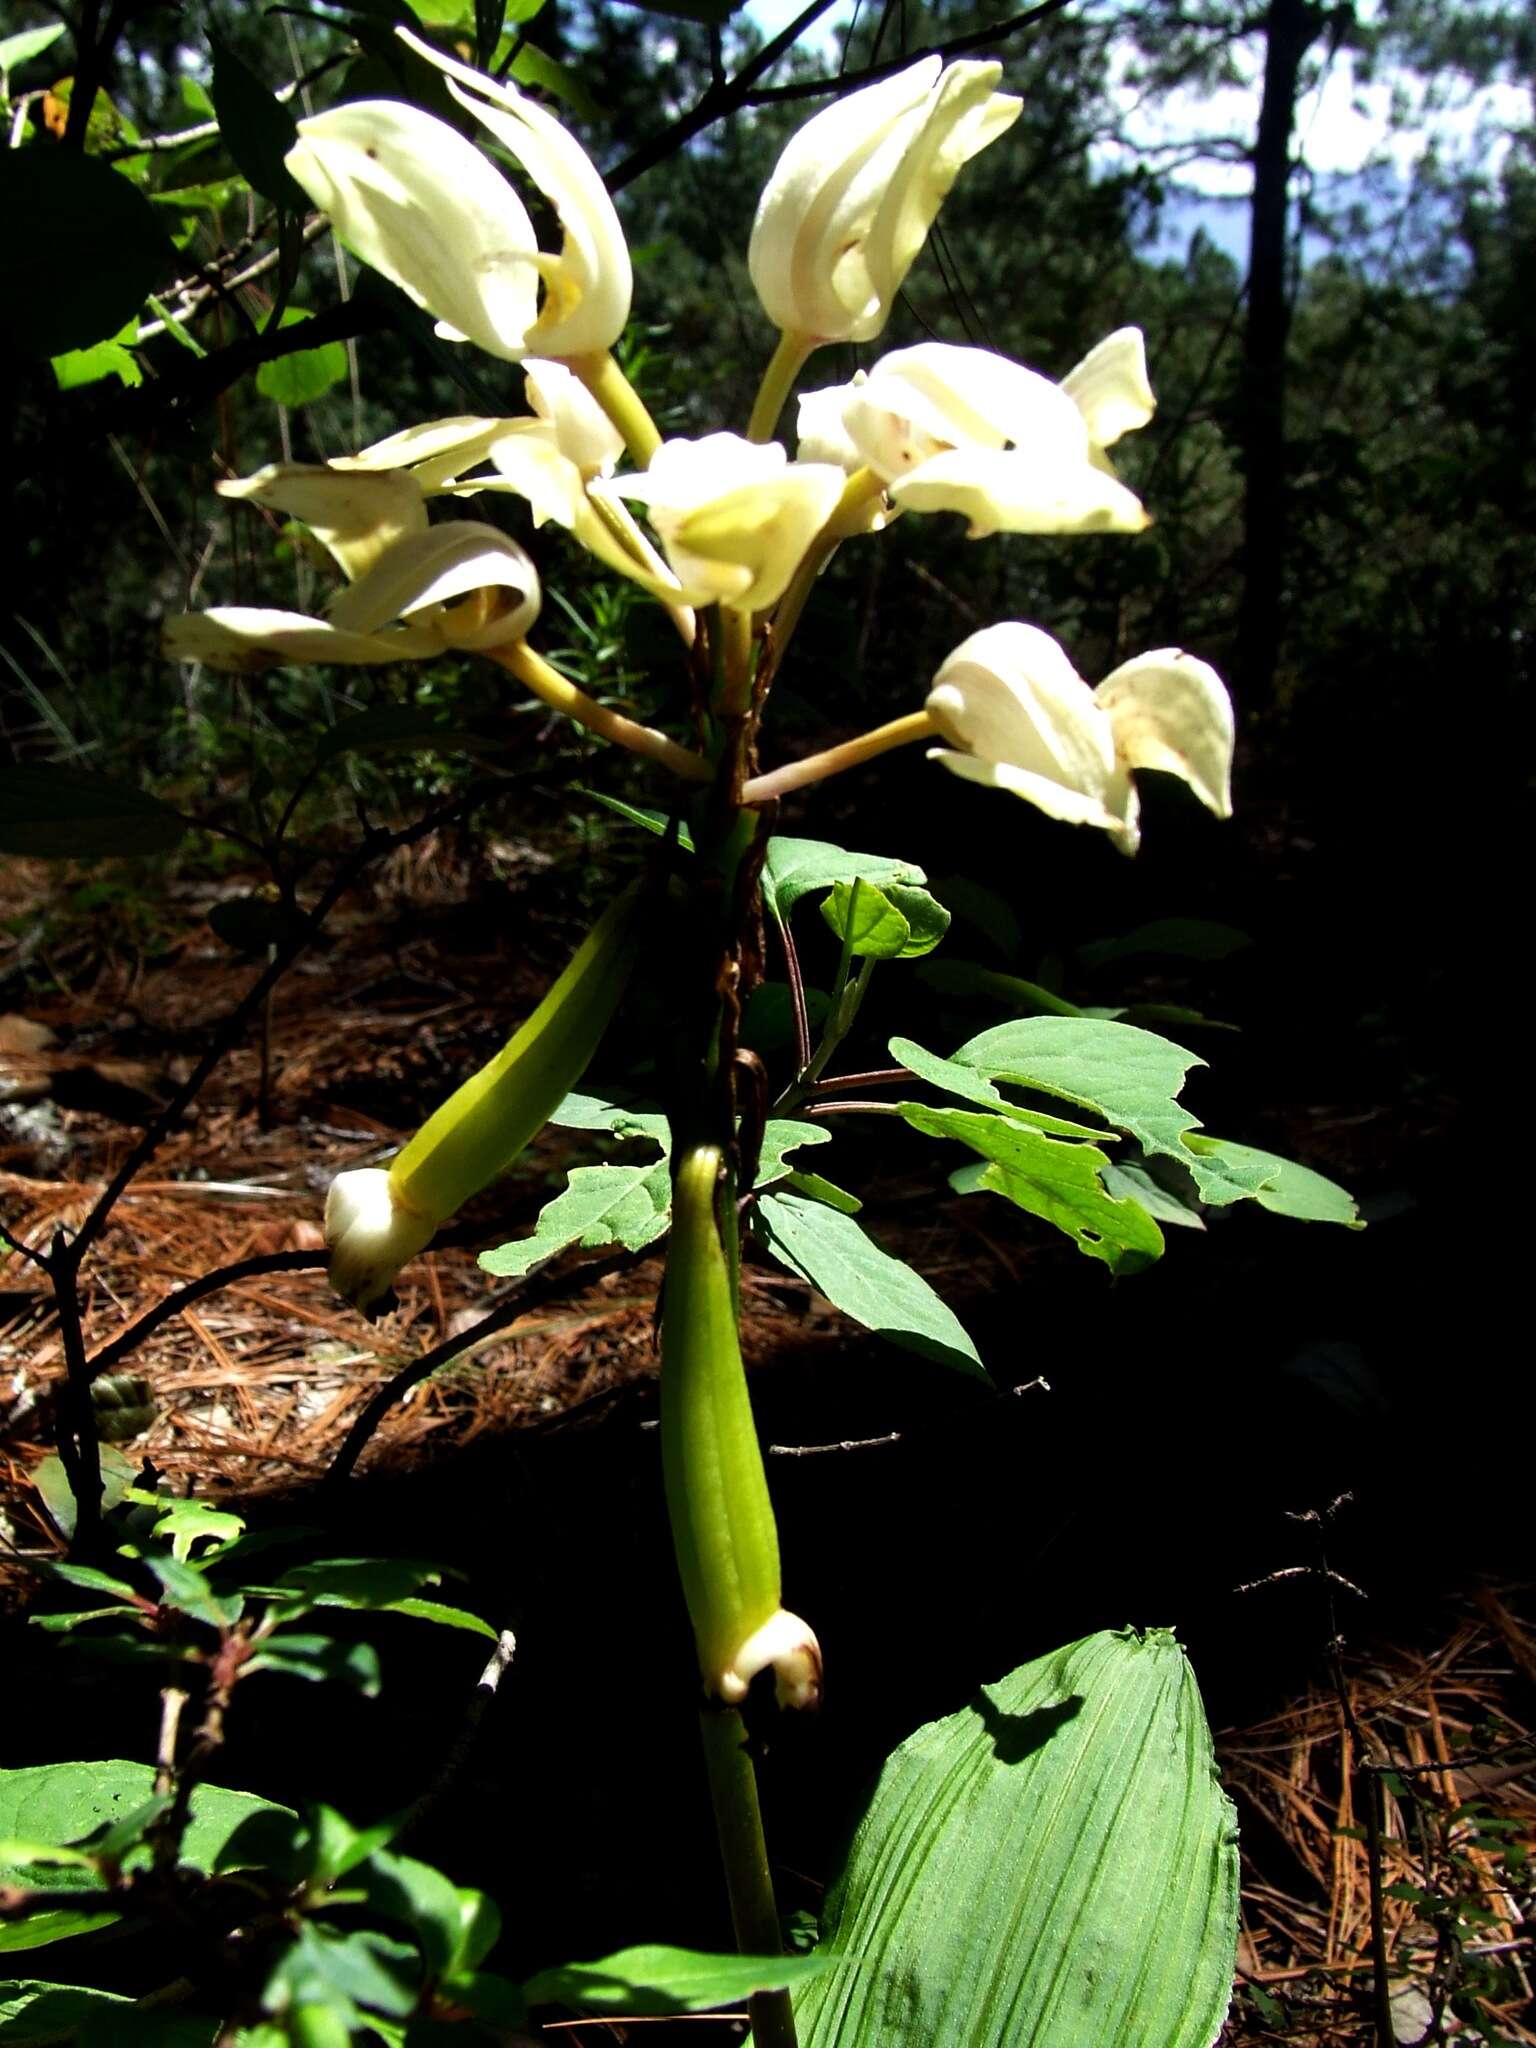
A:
(1290, 27)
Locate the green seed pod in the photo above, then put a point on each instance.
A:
(375, 1220)
(723, 1528)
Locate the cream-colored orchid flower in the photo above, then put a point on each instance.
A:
(1021, 718)
(413, 199)
(572, 418)
(951, 429)
(458, 585)
(852, 197)
(435, 454)
(355, 517)
(735, 516)
(587, 287)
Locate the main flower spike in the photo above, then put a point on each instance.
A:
(723, 1528)
(735, 516)
(416, 201)
(1018, 716)
(952, 429)
(377, 1218)
(418, 589)
(852, 197)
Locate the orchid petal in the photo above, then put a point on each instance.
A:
(1111, 388)
(357, 517)
(1171, 711)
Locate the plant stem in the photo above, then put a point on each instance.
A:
(784, 367)
(739, 1825)
(561, 694)
(622, 403)
(900, 732)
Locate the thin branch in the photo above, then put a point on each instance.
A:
(536, 1291)
(955, 46)
(23, 1251)
(181, 1298)
(486, 1687)
(876, 1077)
(796, 995)
(862, 1443)
(715, 103)
(77, 1415)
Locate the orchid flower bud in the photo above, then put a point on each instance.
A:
(735, 516)
(852, 197)
(723, 1528)
(375, 1220)
(1018, 716)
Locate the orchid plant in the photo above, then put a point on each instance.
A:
(727, 533)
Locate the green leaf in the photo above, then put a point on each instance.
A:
(67, 1803)
(57, 813)
(815, 1189)
(656, 1980)
(1055, 1866)
(1127, 1179)
(1288, 1189)
(81, 252)
(255, 126)
(186, 1522)
(92, 1580)
(388, 726)
(834, 1254)
(1051, 1178)
(592, 1113)
(26, 44)
(533, 66)
(185, 1588)
(649, 821)
(627, 1205)
(114, 358)
(1129, 1077)
(364, 1968)
(321, 1660)
(400, 1888)
(970, 978)
(308, 374)
(897, 922)
(781, 1136)
(444, 1616)
(793, 868)
(31, 2011)
(51, 1481)
(357, 1582)
(954, 1078)
(212, 197)
(1179, 938)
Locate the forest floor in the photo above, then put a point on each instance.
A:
(255, 1386)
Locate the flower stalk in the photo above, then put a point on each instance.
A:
(897, 732)
(622, 403)
(561, 694)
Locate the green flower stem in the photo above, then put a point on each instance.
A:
(739, 1825)
(561, 694)
(785, 365)
(622, 403)
(900, 732)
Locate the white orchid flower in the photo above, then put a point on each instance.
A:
(951, 429)
(735, 516)
(852, 197)
(458, 585)
(1019, 717)
(416, 201)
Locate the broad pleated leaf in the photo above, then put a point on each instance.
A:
(1055, 1866)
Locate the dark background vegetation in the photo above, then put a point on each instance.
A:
(1341, 475)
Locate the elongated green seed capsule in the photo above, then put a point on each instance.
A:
(376, 1218)
(723, 1528)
